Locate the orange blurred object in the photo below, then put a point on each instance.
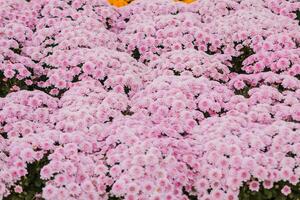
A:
(186, 1)
(121, 3)
(118, 3)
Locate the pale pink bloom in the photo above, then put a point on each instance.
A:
(87, 186)
(73, 188)
(49, 192)
(119, 188)
(132, 188)
(2, 189)
(254, 186)
(46, 172)
(239, 85)
(286, 190)
(27, 155)
(18, 189)
(136, 171)
(268, 184)
(9, 73)
(217, 194)
(294, 179)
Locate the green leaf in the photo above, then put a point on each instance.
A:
(281, 197)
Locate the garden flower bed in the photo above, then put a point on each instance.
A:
(149, 100)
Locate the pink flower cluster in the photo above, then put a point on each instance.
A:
(156, 100)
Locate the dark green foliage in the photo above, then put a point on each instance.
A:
(208, 51)
(183, 134)
(103, 80)
(5, 86)
(280, 88)
(107, 23)
(127, 89)
(108, 189)
(114, 198)
(298, 16)
(127, 111)
(4, 135)
(51, 45)
(32, 184)
(176, 73)
(110, 119)
(136, 54)
(16, 50)
(191, 197)
(237, 62)
(271, 194)
(243, 92)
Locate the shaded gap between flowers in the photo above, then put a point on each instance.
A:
(237, 62)
(32, 183)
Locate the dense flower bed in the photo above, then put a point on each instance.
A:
(156, 100)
